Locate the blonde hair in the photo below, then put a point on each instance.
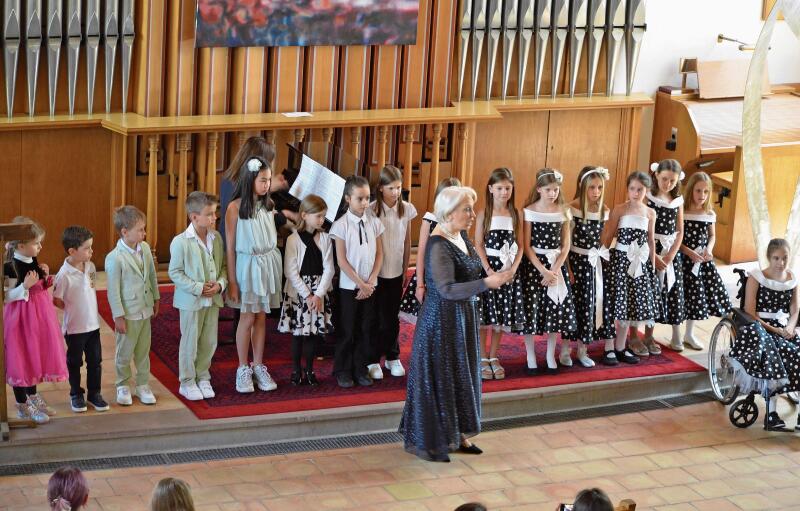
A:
(36, 227)
(311, 204)
(198, 200)
(171, 494)
(583, 188)
(448, 200)
(445, 183)
(497, 176)
(389, 174)
(544, 177)
(689, 190)
(125, 217)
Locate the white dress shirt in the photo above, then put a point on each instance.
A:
(394, 237)
(360, 236)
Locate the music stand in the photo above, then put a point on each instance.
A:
(9, 232)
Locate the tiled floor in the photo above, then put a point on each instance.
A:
(687, 458)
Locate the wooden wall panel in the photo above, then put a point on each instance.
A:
(149, 53)
(385, 93)
(442, 51)
(11, 189)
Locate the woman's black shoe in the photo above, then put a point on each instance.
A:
(608, 360)
(441, 458)
(627, 356)
(471, 449)
(311, 378)
(552, 371)
(775, 423)
(532, 371)
(296, 379)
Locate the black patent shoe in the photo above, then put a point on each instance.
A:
(296, 379)
(551, 371)
(775, 423)
(364, 380)
(311, 378)
(470, 449)
(608, 360)
(532, 371)
(441, 458)
(626, 356)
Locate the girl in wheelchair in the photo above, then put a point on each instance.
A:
(766, 351)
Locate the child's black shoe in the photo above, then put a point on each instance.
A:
(98, 402)
(78, 403)
(311, 378)
(296, 379)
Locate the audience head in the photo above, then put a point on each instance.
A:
(29, 247)
(67, 490)
(593, 499)
(471, 506)
(171, 494)
(454, 206)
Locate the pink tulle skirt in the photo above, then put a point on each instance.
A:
(33, 341)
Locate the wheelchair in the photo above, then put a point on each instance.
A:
(743, 413)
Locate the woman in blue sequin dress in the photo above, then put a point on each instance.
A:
(443, 398)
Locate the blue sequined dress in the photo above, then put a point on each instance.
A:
(443, 398)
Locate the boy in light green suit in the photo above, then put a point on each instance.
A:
(197, 267)
(133, 297)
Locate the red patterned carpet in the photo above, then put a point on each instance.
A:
(287, 398)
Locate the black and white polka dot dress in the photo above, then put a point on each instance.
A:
(673, 310)
(503, 307)
(704, 293)
(586, 238)
(546, 312)
(409, 305)
(764, 361)
(634, 299)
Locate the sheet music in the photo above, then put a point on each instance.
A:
(316, 179)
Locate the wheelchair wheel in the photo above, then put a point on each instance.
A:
(720, 371)
(744, 413)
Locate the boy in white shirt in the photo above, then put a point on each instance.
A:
(74, 292)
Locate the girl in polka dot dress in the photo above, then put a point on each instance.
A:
(664, 197)
(415, 291)
(704, 292)
(549, 306)
(633, 290)
(587, 268)
(766, 353)
(496, 232)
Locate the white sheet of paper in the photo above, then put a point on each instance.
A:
(297, 114)
(317, 179)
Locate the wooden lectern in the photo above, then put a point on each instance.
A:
(9, 232)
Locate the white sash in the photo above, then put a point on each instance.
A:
(667, 276)
(781, 317)
(637, 255)
(594, 255)
(696, 266)
(506, 253)
(558, 292)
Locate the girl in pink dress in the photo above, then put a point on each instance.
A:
(33, 341)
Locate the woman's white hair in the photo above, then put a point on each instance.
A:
(450, 198)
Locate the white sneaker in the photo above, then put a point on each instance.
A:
(375, 371)
(263, 380)
(396, 367)
(144, 394)
(676, 345)
(41, 404)
(29, 411)
(206, 389)
(124, 396)
(190, 391)
(693, 343)
(244, 380)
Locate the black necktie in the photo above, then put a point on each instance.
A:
(361, 228)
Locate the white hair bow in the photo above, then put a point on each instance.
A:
(654, 169)
(254, 165)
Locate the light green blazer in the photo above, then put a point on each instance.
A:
(189, 271)
(130, 290)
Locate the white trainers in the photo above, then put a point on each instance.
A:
(375, 371)
(205, 389)
(263, 380)
(144, 394)
(190, 391)
(396, 367)
(693, 343)
(41, 404)
(29, 411)
(124, 396)
(244, 380)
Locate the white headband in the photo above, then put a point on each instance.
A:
(601, 171)
(654, 169)
(559, 177)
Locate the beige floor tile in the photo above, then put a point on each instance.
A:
(715, 505)
(448, 486)
(676, 494)
(752, 501)
(672, 476)
(409, 491)
(484, 482)
(526, 495)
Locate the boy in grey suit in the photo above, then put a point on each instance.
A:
(198, 269)
(133, 297)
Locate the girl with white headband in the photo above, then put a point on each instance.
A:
(586, 264)
(496, 235)
(633, 290)
(766, 353)
(666, 200)
(550, 309)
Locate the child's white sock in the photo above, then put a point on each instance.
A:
(676, 333)
(619, 343)
(609, 346)
(566, 351)
(530, 351)
(689, 338)
(551, 350)
(773, 405)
